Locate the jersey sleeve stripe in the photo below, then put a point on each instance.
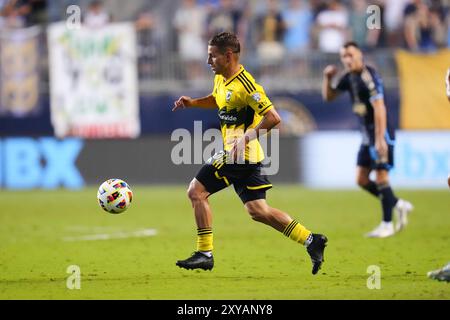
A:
(375, 97)
(248, 81)
(265, 109)
(244, 84)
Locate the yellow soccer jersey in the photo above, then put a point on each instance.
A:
(242, 104)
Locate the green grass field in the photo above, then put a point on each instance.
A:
(252, 261)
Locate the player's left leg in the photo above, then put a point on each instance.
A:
(389, 201)
(315, 244)
(251, 188)
(387, 197)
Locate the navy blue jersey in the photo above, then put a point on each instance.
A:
(364, 88)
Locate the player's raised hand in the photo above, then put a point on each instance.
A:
(330, 71)
(181, 103)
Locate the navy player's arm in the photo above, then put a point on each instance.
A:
(208, 102)
(374, 83)
(328, 92)
(380, 120)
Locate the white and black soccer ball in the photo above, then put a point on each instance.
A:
(114, 196)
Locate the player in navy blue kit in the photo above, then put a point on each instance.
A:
(378, 137)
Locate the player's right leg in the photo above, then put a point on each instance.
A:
(363, 180)
(363, 169)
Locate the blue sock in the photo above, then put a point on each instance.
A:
(388, 201)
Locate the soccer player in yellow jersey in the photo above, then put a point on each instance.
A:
(245, 113)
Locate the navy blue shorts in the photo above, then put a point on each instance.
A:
(248, 181)
(368, 157)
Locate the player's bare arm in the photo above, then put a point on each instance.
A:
(328, 93)
(208, 102)
(380, 127)
(270, 120)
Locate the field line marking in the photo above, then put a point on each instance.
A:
(116, 235)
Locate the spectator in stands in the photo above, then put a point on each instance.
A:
(96, 16)
(359, 32)
(438, 25)
(424, 30)
(148, 41)
(317, 6)
(189, 21)
(393, 21)
(298, 19)
(243, 27)
(14, 14)
(411, 7)
(209, 3)
(271, 27)
(4, 12)
(357, 19)
(37, 12)
(332, 25)
(232, 16)
(57, 10)
(225, 17)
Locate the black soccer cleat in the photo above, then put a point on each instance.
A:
(315, 250)
(197, 261)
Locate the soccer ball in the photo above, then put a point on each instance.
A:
(114, 196)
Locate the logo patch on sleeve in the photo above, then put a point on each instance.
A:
(256, 96)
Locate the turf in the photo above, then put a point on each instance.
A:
(252, 260)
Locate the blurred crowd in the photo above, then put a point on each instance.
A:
(267, 25)
(271, 29)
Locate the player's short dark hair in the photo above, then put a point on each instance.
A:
(349, 44)
(224, 41)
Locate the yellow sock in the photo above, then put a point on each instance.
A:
(297, 232)
(204, 239)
